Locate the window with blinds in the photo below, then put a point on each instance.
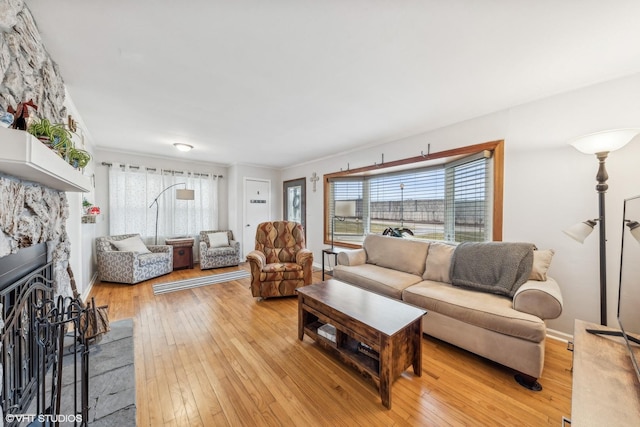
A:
(469, 199)
(348, 210)
(452, 202)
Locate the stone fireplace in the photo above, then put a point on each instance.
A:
(30, 214)
(33, 180)
(33, 203)
(34, 255)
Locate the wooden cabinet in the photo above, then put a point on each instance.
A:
(182, 252)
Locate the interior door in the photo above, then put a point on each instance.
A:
(294, 198)
(257, 208)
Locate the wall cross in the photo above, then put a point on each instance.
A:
(314, 178)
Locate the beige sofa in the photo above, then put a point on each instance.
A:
(508, 329)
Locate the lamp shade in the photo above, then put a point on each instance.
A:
(580, 231)
(184, 194)
(605, 141)
(634, 226)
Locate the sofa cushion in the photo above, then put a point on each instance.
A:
(485, 310)
(228, 250)
(131, 244)
(439, 262)
(281, 271)
(218, 239)
(377, 279)
(152, 258)
(541, 263)
(396, 253)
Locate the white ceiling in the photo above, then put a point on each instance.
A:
(282, 82)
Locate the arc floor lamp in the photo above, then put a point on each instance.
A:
(181, 194)
(600, 144)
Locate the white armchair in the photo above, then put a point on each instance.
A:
(223, 252)
(131, 266)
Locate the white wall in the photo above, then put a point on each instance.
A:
(81, 258)
(548, 184)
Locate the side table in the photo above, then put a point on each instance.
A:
(329, 252)
(605, 388)
(182, 252)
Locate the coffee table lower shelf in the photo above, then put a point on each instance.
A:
(388, 331)
(345, 348)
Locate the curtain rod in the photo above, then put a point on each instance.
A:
(166, 170)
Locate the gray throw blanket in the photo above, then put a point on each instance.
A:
(494, 267)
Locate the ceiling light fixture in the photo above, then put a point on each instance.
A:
(183, 147)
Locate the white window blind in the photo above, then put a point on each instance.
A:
(410, 199)
(452, 202)
(469, 200)
(347, 209)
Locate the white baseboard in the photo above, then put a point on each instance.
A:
(560, 336)
(85, 292)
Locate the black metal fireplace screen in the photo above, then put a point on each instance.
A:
(45, 358)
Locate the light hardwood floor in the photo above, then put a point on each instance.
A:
(216, 356)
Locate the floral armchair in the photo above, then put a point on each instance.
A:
(131, 263)
(218, 249)
(280, 262)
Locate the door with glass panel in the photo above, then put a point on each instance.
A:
(295, 201)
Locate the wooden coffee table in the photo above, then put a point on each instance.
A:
(390, 330)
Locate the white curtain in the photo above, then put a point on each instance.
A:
(132, 191)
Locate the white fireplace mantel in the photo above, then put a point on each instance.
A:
(24, 156)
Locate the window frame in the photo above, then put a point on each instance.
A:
(495, 147)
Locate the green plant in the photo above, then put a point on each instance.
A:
(59, 140)
(78, 158)
(58, 136)
(41, 129)
(86, 203)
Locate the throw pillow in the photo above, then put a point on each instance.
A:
(541, 263)
(396, 253)
(439, 262)
(131, 244)
(219, 239)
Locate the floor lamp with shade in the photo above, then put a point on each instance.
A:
(600, 144)
(181, 194)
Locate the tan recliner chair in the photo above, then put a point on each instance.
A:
(280, 262)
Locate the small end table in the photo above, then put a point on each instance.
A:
(329, 252)
(182, 252)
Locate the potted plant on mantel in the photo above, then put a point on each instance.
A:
(58, 138)
(43, 130)
(78, 158)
